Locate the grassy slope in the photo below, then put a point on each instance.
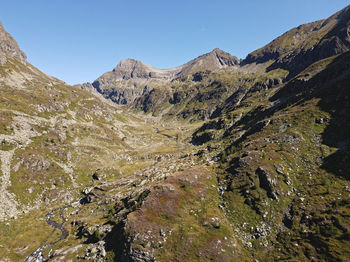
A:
(283, 193)
(72, 134)
(300, 211)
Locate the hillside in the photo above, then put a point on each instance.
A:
(305, 44)
(282, 165)
(54, 138)
(215, 160)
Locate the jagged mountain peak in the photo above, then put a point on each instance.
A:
(9, 47)
(211, 61)
(216, 58)
(134, 69)
(127, 63)
(130, 68)
(220, 52)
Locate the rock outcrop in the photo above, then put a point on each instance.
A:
(9, 47)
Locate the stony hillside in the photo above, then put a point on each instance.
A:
(282, 164)
(215, 160)
(55, 139)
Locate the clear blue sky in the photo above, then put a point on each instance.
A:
(78, 40)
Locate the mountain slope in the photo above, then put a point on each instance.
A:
(55, 142)
(264, 179)
(283, 160)
(305, 44)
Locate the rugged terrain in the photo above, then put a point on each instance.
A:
(150, 89)
(215, 160)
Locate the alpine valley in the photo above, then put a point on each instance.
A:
(219, 159)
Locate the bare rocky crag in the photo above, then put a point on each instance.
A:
(9, 47)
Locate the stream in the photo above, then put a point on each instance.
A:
(37, 255)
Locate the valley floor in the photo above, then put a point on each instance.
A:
(148, 153)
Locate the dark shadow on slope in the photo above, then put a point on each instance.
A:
(332, 86)
(116, 240)
(336, 101)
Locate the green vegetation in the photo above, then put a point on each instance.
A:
(235, 164)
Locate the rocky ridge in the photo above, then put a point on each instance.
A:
(9, 47)
(130, 68)
(131, 79)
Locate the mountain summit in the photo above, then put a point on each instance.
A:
(131, 68)
(134, 69)
(214, 60)
(130, 78)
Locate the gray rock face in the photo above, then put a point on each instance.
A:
(267, 182)
(134, 69)
(9, 47)
(130, 68)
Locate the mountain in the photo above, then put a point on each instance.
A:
(130, 68)
(141, 86)
(212, 61)
(133, 69)
(215, 160)
(58, 143)
(130, 78)
(305, 44)
(282, 162)
(292, 52)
